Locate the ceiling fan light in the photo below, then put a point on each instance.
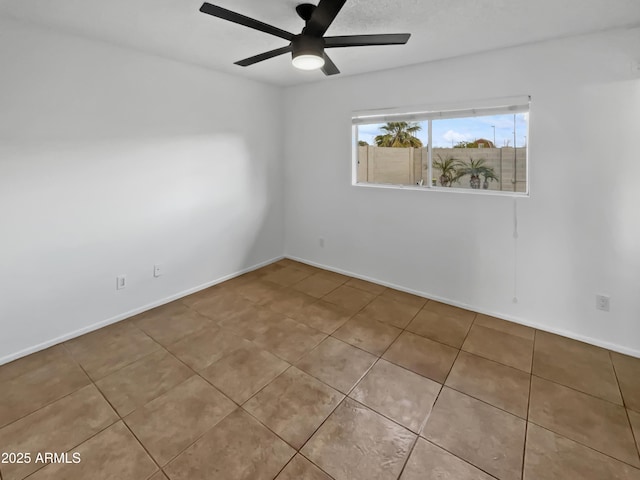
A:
(308, 62)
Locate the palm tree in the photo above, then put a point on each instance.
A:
(489, 175)
(476, 168)
(448, 170)
(399, 134)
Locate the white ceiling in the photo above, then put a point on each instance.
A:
(439, 28)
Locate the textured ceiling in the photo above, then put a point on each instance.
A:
(439, 28)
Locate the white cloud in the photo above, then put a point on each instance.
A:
(453, 136)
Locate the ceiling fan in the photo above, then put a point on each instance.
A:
(307, 48)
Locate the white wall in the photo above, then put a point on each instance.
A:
(111, 161)
(579, 232)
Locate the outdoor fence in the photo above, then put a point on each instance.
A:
(409, 166)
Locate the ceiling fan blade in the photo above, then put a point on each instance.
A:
(242, 20)
(366, 40)
(263, 56)
(329, 67)
(322, 16)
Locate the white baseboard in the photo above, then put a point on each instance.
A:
(565, 333)
(103, 323)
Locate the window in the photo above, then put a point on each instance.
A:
(482, 148)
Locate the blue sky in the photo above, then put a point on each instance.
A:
(451, 131)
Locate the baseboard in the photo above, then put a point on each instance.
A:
(95, 326)
(558, 331)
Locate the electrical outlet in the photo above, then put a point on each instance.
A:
(603, 302)
(158, 270)
(121, 282)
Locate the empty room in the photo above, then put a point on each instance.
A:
(348, 240)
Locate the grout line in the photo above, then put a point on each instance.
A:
(409, 453)
(459, 458)
(77, 445)
(315, 464)
(125, 423)
(142, 406)
(626, 409)
(484, 401)
(585, 445)
(444, 382)
(144, 448)
(95, 434)
(615, 374)
(590, 395)
(526, 423)
(283, 467)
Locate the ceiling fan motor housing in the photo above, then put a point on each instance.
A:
(307, 45)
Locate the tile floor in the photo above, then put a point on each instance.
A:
(291, 372)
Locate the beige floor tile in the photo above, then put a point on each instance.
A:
(335, 276)
(289, 301)
(252, 321)
(168, 324)
(299, 468)
(449, 311)
(441, 328)
(294, 405)
(337, 364)
(237, 448)
(57, 427)
(288, 262)
(37, 360)
(421, 355)
(289, 340)
(373, 288)
(355, 443)
(262, 271)
(222, 305)
(430, 462)
(403, 396)
(201, 349)
(258, 291)
(484, 436)
(628, 372)
(317, 285)
(501, 386)
(367, 334)
(32, 384)
(113, 453)
(550, 456)
(201, 295)
(576, 365)
(405, 297)
(109, 349)
(323, 316)
(173, 421)
(351, 299)
(500, 347)
(591, 421)
(387, 310)
(244, 372)
(504, 326)
(142, 381)
(634, 418)
(287, 276)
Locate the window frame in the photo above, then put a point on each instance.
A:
(501, 106)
